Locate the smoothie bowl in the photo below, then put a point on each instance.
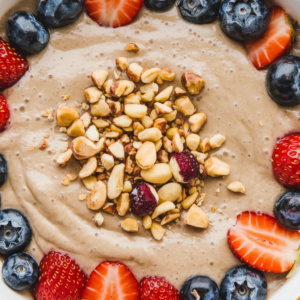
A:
(143, 157)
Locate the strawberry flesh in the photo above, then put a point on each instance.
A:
(4, 114)
(275, 42)
(113, 13)
(111, 281)
(261, 242)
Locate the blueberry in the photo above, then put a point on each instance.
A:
(283, 81)
(199, 11)
(20, 271)
(244, 19)
(15, 231)
(287, 210)
(199, 287)
(25, 32)
(243, 283)
(159, 5)
(59, 13)
(3, 170)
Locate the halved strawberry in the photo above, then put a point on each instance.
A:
(113, 13)
(111, 281)
(261, 242)
(275, 42)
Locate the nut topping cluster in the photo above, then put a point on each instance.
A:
(129, 135)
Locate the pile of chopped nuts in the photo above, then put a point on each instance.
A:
(130, 135)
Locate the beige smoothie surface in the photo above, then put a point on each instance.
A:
(237, 106)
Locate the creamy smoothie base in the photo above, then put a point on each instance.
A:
(237, 106)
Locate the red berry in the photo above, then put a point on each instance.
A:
(13, 65)
(184, 166)
(156, 288)
(143, 198)
(111, 281)
(4, 113)
(60, 278)
(286, 161)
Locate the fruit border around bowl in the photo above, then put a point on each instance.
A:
(288, 291)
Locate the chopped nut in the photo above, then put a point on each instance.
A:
(63, 129)
(157, 231)
(92, 94)
(47, 113)
(97, 197)
(89, 182)
(123, 204)
(136, 171)
(31, 148)
(177, 143)
(202, 171)
(167, 75)
(100, 123)
(86, 119)
(116, 129)
(116, 75)
(66, 116)
(193, 141)
(147, 121)
(134, 72)
(83, 148)
(122, 63)
(89, 168)
(107, 161)
(148, 97)
(201, 157)
(112, 135)
(185, 106)
(99, 77)
(169, 218)
(118, 88)
(179, 121)
(82, 197)
(147, 222)
(137, 128)
(85, 106)
(261, 124)
(237, 187)
(216, 167)
(164, 95)
(109, 208)
(159, 80)
(151, 134)
(101, 109)
(43, 145)
(169, 192)
(98, 219)
(153, 114)
(171, 116)
(66, 181)
(196, 217)
(158, 145)
(146, 155)
(124, 139)
(196, 121)
(161, 124)
(178, 92)
(163, 156)
(127, 187)
(107, 85)
(117, 150)
(122, 121)
(205, 145)
(192, 82)
(151, 87)
(150, 75)
(158, 174)
(130, 225)
(162, 208)
(189, 201)
(217, 141)
(76, 129)
(137, 145)
(135, 111)
(116, 108)
(168, 146)
(192, 190)
(66, 97)
(132, 47)
(171, 132)
(101, 177)
(162, 109)
(92, 133)
(128, 165)
(115, 182)
(132, 99)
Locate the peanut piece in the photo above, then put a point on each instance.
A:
(189, 201)
(205, 145)
(123, 204)
(177, 143)
(89, 168)
(185, 106)
(92, 94)
(76, 129)
(107, 161)
(151, 134)
(131, 47)
(146, 155)
(89, 182)
(217, 141)
(237, 187)
(115, 182)
(196, 217)
(97, 197)
(196, 121)
(169, 218)
(134, 72)
(135, 111)
(151, 75)
(164, 95)
(122, 63)
(169, 192)
(157, 231)
(64, 157)
(66, 116)
(193, 141)
(130, 225)
(158, 174)
(167, 75)
(192, 82)
(147, 222)
(216, 168)
(98, 219)
(99, 77)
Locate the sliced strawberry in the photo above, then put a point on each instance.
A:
(111, 281)
(275, 42)
(113, 13)
(261, 242)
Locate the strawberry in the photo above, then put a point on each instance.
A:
(111, 281)
(4, 114)
(60, 278)
(286, 161)
(275, 42)
(261, 242)
(156, 288)
(113, 13)
(12, 65)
